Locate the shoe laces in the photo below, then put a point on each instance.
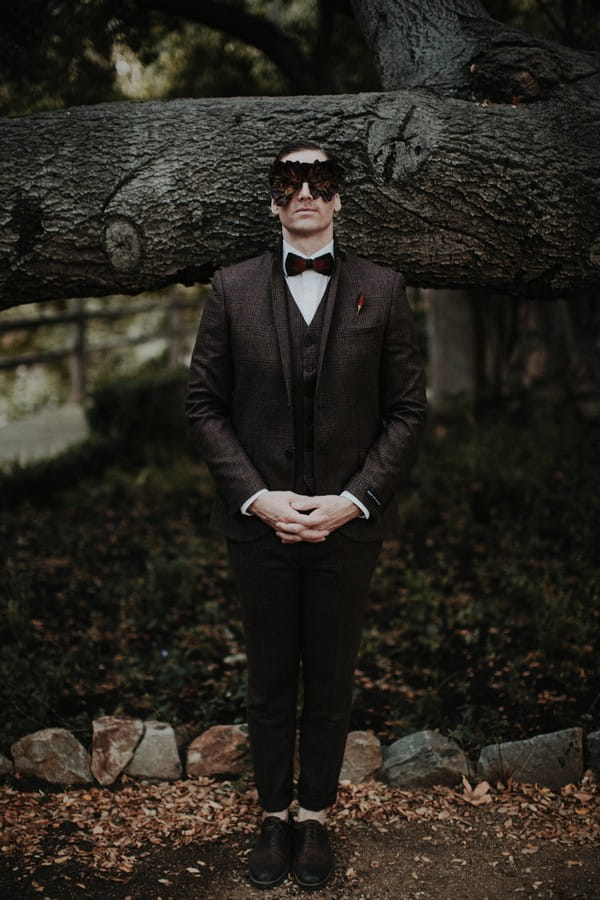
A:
(271, 827)
(312, 830)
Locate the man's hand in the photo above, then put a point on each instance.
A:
(278, 510)
(320, 515)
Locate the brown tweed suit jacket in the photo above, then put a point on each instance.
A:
(370, 404)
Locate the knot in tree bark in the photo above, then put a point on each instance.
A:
(123, 244)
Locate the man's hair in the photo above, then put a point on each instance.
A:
(301, 145)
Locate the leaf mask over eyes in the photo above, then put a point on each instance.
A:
(323, 176)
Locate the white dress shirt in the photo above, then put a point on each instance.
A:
(307, 290)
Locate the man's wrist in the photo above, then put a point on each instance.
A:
(248, 503)
(364, 512)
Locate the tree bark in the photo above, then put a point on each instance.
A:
(419, 43)
(131, 196)
(454, 48)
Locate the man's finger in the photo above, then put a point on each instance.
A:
(305, 503)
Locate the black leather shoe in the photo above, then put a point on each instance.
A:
(313, 857)
(269, 861)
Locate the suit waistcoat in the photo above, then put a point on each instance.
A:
(305, 342)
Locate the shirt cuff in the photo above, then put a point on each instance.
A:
(250, 501)
(365, 512)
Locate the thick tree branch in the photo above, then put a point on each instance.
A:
(130, 196)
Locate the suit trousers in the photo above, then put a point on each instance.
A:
(302, 608)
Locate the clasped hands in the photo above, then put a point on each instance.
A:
(296, 517)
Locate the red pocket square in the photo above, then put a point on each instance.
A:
(360, 302)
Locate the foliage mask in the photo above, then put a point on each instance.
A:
(323, 176)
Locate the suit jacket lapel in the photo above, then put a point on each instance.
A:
(280, 316)
(329, 308)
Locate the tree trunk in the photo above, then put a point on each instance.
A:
(453, 351)
(130, 196)
(455, 49)
(420, 43)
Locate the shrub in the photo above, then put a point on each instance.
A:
(143, 416)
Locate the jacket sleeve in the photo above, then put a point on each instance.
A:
(208, 405)
(403, 410)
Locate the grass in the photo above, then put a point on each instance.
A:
(483, 621)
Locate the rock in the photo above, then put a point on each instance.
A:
(54, 755)
(550, 760)
(6, 766)
(113, 745)
(362, 757)
(423, 759)
(221, 750)
(592, 752)
(156, 755)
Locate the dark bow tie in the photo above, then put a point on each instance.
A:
(295, 265)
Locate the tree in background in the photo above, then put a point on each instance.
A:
(55, 54)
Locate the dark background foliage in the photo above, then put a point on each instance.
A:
(483, 619)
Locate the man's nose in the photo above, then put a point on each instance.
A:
(304, 191)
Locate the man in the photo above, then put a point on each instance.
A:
(306, 398)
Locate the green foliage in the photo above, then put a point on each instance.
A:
(55, 54)
(201, 62)
(40, 480)
(143, 415)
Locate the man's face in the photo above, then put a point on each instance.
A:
(305, 216)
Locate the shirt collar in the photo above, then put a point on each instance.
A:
(328, 248)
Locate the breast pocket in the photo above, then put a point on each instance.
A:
(354, 331)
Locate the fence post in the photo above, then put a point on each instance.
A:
(78, 357)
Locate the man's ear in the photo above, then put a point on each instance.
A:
(274, 208)
(337, 203)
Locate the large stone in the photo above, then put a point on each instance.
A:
(423, 759)
(113, 745)
(221, 750)
(156, 756)
(362, 757)
(53, 755)
(550, 760)
(6, 766)
(592, 752)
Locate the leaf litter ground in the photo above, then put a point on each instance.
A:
(190, 839)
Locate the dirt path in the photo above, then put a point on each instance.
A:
(43, 434)
(447, 862)
(437, 844)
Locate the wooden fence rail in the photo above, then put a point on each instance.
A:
(79, 350)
